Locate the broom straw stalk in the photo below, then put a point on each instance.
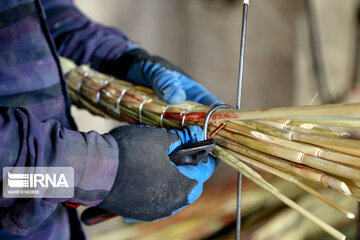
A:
(287, 127)
(292, 179)
(318, 126)
(297, 170)
(256, 178)
(291, 155)
(287, 139)
(353, 123)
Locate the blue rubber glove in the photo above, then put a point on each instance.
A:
(201, 172)
(169, 82)
(157, 173)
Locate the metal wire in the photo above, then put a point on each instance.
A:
(162, 115)
(119, 100)
(98, 94)
(238, 106)
(208, 116)
(140, 109)
(185, 113)
(85, 75)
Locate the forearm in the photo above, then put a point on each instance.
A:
(27, 142)
(79, 38)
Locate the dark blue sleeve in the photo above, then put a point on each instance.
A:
(26, 141)
(82, 40)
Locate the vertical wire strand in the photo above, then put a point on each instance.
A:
(238, 106)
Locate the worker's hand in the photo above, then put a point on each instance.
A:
(169, 82)
(148, 185)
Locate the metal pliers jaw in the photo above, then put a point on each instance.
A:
(192, 153)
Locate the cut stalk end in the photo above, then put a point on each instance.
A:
(350, 216)
(345, 188)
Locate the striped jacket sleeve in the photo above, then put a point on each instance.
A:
(26, 141)
(82, 40)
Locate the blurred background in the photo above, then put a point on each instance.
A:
(298, 52)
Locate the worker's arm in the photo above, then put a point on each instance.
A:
(82, 40)
(128, 170)
(27, 142)
(110, 51)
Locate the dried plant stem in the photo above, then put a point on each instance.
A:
(355, 123)
(292, 168)
(348, 146)
(355, 191)
(292, 155)
(284, 128)
(305, 128)
(256, 178)
(287, 139)
(349, 109)
(292, 179)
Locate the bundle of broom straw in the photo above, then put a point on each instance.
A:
(298, 144)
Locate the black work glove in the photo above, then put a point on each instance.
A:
(148, 186)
